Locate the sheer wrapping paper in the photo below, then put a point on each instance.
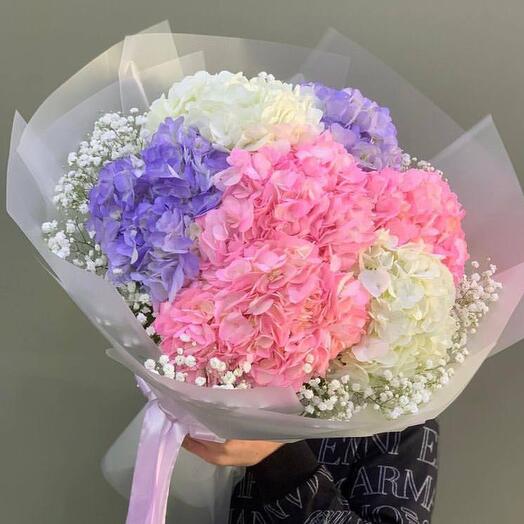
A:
(135, 72)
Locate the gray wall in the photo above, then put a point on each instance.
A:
(63, 401)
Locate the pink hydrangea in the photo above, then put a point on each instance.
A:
(314, 191)
(419, 205)
(190, 317)
(276, 288)
(279, 308)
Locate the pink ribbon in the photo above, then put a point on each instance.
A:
(160, 441)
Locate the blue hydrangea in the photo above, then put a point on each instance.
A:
(365, 128)
(142, 209)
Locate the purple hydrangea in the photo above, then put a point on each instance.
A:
(143, 207)
(364, 127)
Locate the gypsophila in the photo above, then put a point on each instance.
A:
(412, 162)
(182, 368)
(475, 293)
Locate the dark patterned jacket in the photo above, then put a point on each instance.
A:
(386, 478)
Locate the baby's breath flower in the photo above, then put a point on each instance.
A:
(150, 364)
(163, 360)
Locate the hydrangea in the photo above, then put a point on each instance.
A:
(419, 205)
(361, 125)
(231, 110)
(142, 208)
(278, 309)
(313, 190)
(411, 310)
(277, 257)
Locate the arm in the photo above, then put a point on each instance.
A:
(390, 478)
(283, 483)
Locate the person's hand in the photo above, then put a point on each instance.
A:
(231, 452)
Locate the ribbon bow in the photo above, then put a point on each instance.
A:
(161, 437)
(160, 441)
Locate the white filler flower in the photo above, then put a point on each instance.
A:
(231, 110)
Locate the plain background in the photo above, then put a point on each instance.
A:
(62, 402)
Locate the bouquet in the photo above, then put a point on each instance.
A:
(265, 252)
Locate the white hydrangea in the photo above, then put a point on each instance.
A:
(350, 389)
(231, 110)
(411, 309)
